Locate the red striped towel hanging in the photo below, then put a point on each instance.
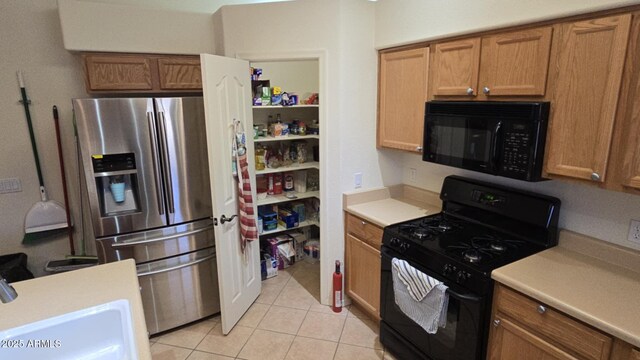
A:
(248, 229)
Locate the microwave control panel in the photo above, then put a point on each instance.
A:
(516, 150)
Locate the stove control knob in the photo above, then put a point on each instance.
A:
(462, 276)
(394, 241)
(404, 246)
(448, 269)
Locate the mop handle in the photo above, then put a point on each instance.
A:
(25, 103)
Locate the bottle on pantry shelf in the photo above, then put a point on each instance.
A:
(260, 158)
(277, 183)
(288, 181)
(302, 128)
(270, 184)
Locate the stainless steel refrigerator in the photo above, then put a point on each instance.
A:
(147, 175)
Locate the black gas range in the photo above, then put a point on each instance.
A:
(482, 226)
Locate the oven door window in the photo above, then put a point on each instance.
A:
(460, 141)
(461, 338)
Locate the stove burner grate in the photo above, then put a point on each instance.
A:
(489, 246)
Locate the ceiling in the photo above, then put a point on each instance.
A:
(200, 6)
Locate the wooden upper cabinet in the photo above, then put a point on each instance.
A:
(506, 64)
(141, 73)
(455, 68)
(402, 96)
(516, 63)
(179, 73)
(588, 61)
(624, 162)
(118, 72)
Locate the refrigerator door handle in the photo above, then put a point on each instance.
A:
(155, 161)
(158, 239)
(191, 263)
(167, 163)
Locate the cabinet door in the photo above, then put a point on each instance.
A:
(363, 274)
(510, 341)
(590, 58)
(403, 92)
(516, 63)
(624, 162)
(118, 72)
(455, 67)
(179, 72)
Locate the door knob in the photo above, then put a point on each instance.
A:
(486, 90)
(224, 219)
(470, 91)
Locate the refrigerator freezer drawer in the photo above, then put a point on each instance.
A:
(157, 244)
(179, 290)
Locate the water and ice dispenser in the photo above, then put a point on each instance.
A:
(116, 179)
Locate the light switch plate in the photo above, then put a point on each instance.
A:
(634, 231)
(10, 185)
(358, 180)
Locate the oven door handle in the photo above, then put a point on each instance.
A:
(494, 146)
(465, 297)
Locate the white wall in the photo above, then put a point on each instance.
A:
(405, 21)
(32, 42)
(599, 213)
(341, 30)
(131, 27)
(299, 77)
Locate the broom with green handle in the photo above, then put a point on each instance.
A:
(45, 216)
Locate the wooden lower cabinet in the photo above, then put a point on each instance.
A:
(523, 328)
(510, 341)
(362, 265)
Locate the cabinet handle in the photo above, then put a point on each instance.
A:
(470, 91)
(496, 322)
(542, 309)
(486, 90)
(363, 222)
(419, 148)
(595, 176)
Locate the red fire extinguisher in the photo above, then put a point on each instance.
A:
(337, 289)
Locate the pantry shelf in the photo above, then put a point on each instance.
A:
(285, 138)
(293, 167)
(286, 107)
(302, 224)
(275, 199)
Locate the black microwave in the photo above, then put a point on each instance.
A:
(502, 138)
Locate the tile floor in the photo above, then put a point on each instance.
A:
(286, 322)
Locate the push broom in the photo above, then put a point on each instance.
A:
(45, 216)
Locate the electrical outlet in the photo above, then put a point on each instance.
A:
(413, 175)
(634, 231)
(358, 180)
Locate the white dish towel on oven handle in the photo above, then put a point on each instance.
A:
(422, 298)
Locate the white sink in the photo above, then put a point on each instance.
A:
(102, 332)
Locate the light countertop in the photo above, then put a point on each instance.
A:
(49, 296)
(390, 205)
(588, 279)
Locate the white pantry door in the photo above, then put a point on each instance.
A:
(226, 86)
